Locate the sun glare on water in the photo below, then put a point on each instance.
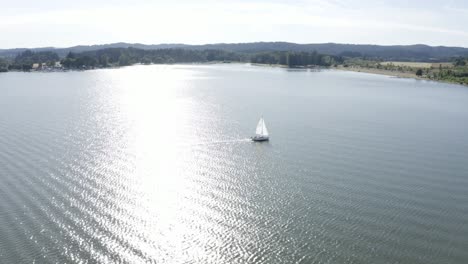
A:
(157, 122)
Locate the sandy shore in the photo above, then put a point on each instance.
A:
(399, 74)
(356, 69)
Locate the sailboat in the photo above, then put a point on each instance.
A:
(261, 133)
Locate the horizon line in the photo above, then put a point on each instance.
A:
(231, 43)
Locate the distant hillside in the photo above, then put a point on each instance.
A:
(62, 52)
(399, 53)
(396, 53)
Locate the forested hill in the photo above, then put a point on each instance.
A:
(390, 53)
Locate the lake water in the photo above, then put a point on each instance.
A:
(152, 164)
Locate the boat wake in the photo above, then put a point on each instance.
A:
(219, 142)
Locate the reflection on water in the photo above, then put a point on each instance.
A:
(154, 164)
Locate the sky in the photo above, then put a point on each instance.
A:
(63, 23)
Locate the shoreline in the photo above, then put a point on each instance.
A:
(48, 70)
(268, 65)
(396, 74)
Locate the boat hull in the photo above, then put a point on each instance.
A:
(259, 139)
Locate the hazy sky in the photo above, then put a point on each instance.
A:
(61, 23)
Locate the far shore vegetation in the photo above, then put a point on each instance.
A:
(454, 70)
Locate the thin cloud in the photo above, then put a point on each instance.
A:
(209, 21)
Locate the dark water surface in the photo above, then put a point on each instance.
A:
(152, 164)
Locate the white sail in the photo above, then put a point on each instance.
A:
(265, 131)
(261, 128)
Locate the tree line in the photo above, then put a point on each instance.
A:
(25, 60)
(128, 56)
(111, 57)
(296, 59)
